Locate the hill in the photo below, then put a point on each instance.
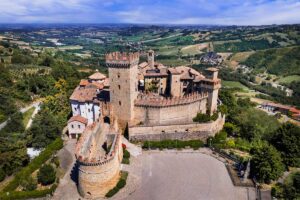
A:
(282, 61)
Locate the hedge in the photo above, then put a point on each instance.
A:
(126, 156)
(171, 144)
(34, 165)
(27, 194)
(120, 185)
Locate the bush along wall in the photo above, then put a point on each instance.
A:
(9, 193)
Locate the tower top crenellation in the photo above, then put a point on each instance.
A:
(122, 58)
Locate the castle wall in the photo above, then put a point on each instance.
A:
(95, 179)
(180, 131)
(169, 114)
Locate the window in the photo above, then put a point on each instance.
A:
(119, 87)
(72, 126)
(78, 126)
(75, 109)
(118, 75)
(89, 110)
(120, 103)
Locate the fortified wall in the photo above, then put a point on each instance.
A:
(99, 171)
(159, 110)
(180, 131)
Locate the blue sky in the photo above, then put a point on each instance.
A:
(225, 12)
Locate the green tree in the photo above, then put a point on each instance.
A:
(29, 184)
(2, 174)
(46, 175)
(286, 139)
(266, 163)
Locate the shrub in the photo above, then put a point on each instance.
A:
(46, 175)
(34, 164)
(14, 195)
(171, 144)
(29, 184)
(120, 185)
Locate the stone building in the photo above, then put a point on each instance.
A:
(155, 102)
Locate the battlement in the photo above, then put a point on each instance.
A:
(118, 59)
(146, 100)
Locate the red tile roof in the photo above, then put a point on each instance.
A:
(78, 118)
(97, 76)
(83, 82)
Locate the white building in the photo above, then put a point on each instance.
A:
(85, 104)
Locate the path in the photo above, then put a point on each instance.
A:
(67, 188)
(22, 110)
(160, 38)
(36, 110)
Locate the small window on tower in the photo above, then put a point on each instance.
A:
(118, 75)
(119, 87)
(120, 103)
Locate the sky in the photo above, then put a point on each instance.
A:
(220, 12)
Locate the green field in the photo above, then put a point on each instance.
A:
(27, 115)
(289, 79)
(234, 84)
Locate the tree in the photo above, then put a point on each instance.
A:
(46, 175)
(29, 184)
(15, 123)
(286, 139)
(2, 174)
(266, 163)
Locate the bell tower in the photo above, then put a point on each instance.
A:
(151, 58)
(123, 80)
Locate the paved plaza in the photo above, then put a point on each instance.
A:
(180, 176)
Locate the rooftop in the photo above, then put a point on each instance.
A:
(78, 118)
(97, 76)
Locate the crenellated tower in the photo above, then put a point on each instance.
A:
(151, 58)
(123, 72)
(211, 84)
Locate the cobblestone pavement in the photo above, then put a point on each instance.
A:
(181, 175)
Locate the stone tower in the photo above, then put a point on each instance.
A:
(123, 80)
(212, 85)
(151, 58)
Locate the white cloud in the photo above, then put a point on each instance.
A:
(241, 12)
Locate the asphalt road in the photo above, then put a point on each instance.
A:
(186, 176)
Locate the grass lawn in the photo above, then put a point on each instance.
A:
(289, 79)
(173, 62)
(234, 84)
(27, 115)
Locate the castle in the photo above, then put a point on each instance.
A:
(153, 101)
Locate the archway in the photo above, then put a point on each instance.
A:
(106, 119)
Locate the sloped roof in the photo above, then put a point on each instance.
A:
(97, 76)
(78, 118)
(84, 94)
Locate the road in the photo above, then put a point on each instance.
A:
(23, 110)
(157, 39)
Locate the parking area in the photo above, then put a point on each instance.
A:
(181, 176)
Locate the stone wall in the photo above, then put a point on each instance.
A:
(97, 175)
(157, 113)
(188, 131)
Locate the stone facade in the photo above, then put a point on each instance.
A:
(123, 75)
(153, 111)
(180, 131)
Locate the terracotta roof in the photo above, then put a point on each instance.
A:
(83, 82)
(143, 64)
(78, 118)
(173, 70)
(295, 110)
(97, 76)
(99, 86)
(84, 94)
